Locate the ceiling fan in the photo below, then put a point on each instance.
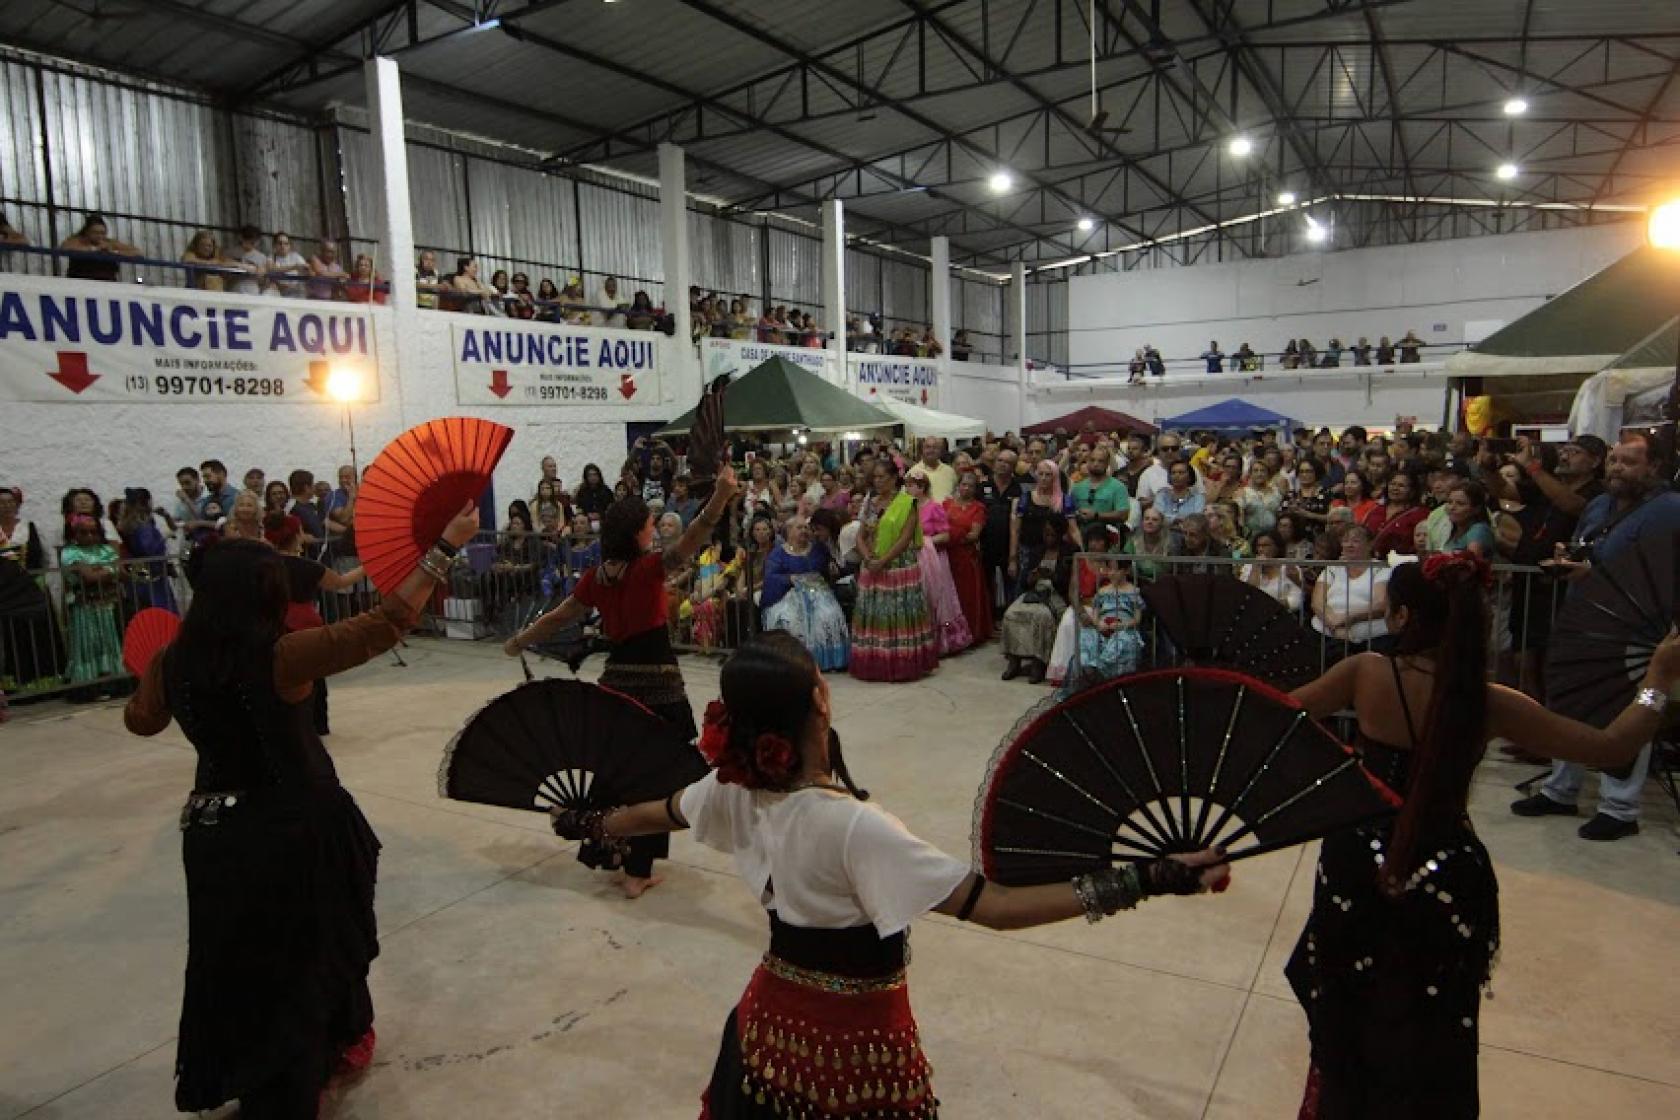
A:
(1098, 125)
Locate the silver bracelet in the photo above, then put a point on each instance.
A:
(1652, 699)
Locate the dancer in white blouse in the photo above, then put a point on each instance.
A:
(825, 1027)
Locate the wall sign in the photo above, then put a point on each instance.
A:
(498, 361)
(912, 380)
(719, 356)
(80, 341)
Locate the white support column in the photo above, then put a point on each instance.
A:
(1018, 301)
(939, 298)
(834, 287)
(396, 220)
(685, 380)
(395, 223)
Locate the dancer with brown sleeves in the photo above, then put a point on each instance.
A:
(280, 862)
(628, 588)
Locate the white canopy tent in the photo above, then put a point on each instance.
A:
(929, 422)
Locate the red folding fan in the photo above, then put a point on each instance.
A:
(148, 632)
(416, 485)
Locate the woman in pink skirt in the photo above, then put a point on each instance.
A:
(950, 627)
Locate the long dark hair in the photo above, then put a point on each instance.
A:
(620, 526)
(766, 687)
(1446, 617)
(599, 482)
(238, 611)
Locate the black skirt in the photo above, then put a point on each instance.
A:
(281, 932)
(1392, 987)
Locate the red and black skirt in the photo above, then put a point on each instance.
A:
(823, 1029)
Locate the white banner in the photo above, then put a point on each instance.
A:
(719, 356)
(70, 341)
(912, 380)
(500, 361)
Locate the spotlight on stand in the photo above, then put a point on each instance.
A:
(1663, 226)
(1316, 233)
(346, 382)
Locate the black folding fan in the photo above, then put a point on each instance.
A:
(706, 451)
(569, 744)
(1161, 763)
(1610, 624)
(1215, 621)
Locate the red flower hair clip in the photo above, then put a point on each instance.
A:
(1448, 568)
(714, 736)
(775, 757)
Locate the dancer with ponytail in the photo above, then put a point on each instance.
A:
(1405, 918)
(825, 1027)
(628, 588)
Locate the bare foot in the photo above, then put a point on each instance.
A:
(635, 888)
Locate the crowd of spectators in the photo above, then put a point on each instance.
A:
(1297, 353)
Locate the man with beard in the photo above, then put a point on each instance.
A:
(1636, 502)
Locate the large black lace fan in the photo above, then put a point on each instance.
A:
(1224, 623)
(569, 744)
(1609, 626)
(1158, 763)
(706, 450)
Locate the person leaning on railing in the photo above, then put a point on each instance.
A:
(95, 254)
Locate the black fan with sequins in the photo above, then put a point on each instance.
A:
(567, 744)
(1161, 763)
(1224, 623)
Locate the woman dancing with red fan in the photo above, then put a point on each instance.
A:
(280, 862)
(1405, 918)
(628, 588)
(825, 1023)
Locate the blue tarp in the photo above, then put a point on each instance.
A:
(1230, 415)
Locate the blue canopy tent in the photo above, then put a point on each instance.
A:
(1230, 416)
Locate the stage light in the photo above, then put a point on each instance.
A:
(1315, 232)
(344, 383)
(1516, 107)
(1507, 171)
(1663, 226)
(1286, 198)
(1240, 146)
(1000, 182)
(1086, 225)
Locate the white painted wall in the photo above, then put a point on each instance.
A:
(1370, 292)
(48, 448)
(985, 392)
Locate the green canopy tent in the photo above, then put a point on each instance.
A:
(776, 396)
(1584, 329)
(1539, 364)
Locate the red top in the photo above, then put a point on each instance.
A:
(632, 604)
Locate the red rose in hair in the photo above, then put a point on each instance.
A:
(775, 756)
(714, 739)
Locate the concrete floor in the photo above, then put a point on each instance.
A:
(516, 983)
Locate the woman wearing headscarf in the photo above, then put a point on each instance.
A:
(628, 589)
(280, 863)
(31, 644)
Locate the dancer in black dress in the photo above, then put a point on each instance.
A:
(280, 862)
(628, 589)
(1405, 919)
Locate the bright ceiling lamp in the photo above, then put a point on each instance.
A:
(1507, 171)
(1663, 227)
(1286, 198)
(1240, 146)
(1516, 107)
(1086, 225)
(1000, 182)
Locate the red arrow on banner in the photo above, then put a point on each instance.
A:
(924, 396)
(627, 385)
(72, 372)
(319, 372)
(499, 384)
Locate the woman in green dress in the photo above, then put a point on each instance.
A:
(892, 630)
(92, 580)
